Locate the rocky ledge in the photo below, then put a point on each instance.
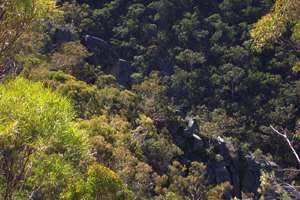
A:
(224, 163)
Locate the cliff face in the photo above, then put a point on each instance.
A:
(224, 163)
(104, 55)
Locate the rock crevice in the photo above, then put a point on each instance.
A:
(105, 55)
(223, 163)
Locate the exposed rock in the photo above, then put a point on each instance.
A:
(103, 53)
(58, 36)
(243, 171)
(191, 128)
(123, 72)
(105, 56)
(64, 34)
(159, 122)
(251, 175)
(196, 144)
(222, 174)
(59, 2)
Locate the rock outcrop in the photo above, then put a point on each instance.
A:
(59, 35)
(224, 163)
(104, 55)
(64, 34)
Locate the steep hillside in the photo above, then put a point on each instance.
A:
(164, 100)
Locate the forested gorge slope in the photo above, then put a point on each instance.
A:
(138, 99)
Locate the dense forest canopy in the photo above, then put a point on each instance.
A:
(158, 100)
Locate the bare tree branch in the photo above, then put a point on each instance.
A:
(34, 191)
(288, 141)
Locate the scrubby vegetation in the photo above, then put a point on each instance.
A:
(160, 100)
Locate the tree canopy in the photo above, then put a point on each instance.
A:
(149, 100)
(17, 16)
(272, 26)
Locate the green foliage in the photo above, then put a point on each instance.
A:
(169, 196)
(216, 123)
(271, 189)
(219, 192)
(190, 185)
(187, 58)
(37, 137)
(87, 99)
(106, 80)
(273, 25)
(188, 29)
(84, 97)
(17, 16)
(190, 58)
(101, 183)
(70, 59)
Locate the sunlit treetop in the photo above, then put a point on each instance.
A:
(271, 26)
(17, 16)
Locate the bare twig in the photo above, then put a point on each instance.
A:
(287, 170)
(34, 191)
(288, 141)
